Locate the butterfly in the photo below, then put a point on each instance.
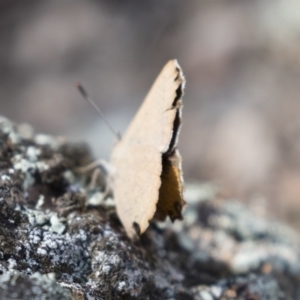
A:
(147, 178)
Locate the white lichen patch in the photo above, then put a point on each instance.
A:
(29, 165)
(11, 263)
(121, 286)
(115, 259)
(25, 131)
(106, 269)
(28, 181)
(248, 257)
(33, 153)
(40, 202)
(195, 192)
(35, 239)
(18, 249)
(205, 295)
(7, 127)
(5, 177)
(41, 251)
(22, 164)
(42, 219)
(97, 199)
(56, 225)
(69, 176)
(46, 140)
(36, 217)
(42, 166)
(203, 292)
(251, 255)
(37, 286)
(216, 291)
(82, 235)
(104, 262)
(11, 276)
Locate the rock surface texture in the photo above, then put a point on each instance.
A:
(60, 240)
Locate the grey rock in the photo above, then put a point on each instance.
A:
(54, 242)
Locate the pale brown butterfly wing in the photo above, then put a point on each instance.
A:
(146, 159)
(136, 186)
(153, 123)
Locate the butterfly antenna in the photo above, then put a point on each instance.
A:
(86, 96)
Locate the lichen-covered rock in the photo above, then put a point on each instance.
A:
(15, 285)
(60, 240)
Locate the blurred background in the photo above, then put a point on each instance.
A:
(241, 118)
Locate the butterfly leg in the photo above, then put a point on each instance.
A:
(101, 172)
